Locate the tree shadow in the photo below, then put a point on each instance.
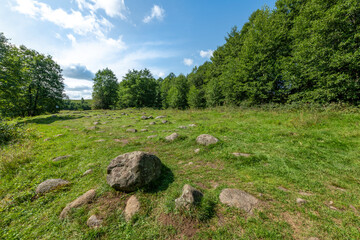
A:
(51, 119)
(162, 183)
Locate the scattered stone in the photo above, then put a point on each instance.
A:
(96, 123)
(50, 184)
(61, 158)
(206, 139)
(144, 130)
(59, 135)
(183, 127)
(47, 139)
(190, 196)
(131, 171)
(132, 207)
(192, 125)
(236, 154)
(300, 201)
(333, 208)
(152, 136)
(92, 128)
(131, 130)
(172, 137)
(152, 123)
(283, 189)
(100, 140)
(83, 199)
(239, 199)
(305, 194)
(159, 117)
(188, 164)
(197, 150)
(146, 118)
(126, 126)
(94, 222)
(87, 172)
(164, 121)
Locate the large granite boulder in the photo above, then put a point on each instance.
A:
(131, 171)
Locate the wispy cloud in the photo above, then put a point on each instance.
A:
(156, 13)
(206, 54)
(112, 8)
(188, 62)
(74, 20)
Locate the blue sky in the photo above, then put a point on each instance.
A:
(84, 36)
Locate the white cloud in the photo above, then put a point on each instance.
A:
(76, 88)
(74, 20)
(206, 54)
(156, 12)
(188, 61)
(112, 8)
(71, 38)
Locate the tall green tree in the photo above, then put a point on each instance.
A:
(105, 89)
(177, 95)
(138, 89)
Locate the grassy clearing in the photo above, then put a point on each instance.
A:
(310, 154)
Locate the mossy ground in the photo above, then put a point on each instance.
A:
(315, 155)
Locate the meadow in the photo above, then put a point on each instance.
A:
(286, 154)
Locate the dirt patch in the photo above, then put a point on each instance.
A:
(299, 225)
(186, 228)
(108, 203)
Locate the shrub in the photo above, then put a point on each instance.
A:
(8, 132)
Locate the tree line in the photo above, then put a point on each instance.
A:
(30, 83)
(301, 51)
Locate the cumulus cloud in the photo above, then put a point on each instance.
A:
(74, 20)
(112, 8)
(76, 88)
(206, 54)
(188, 61)
(77, 71)
(156, 12)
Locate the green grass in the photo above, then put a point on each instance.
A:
(314, 152)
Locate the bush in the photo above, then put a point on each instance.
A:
(8, 132)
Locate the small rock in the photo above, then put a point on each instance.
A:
(47, 139)
(131, 130)
(130, 171)
(172, 137)
(50, 185)
(145, 117)
(188, 164)
(152, 136)
(197, 150)
(159, 117)
(126, 126)
(61, 158)
(83, 199)
(241, 154)
(192, 125)
(144, 130)
(206, 139)
(132, 207)
(164, 121)
(190, 196)
(239, 199)
(87, 172)
(305, 194)
(283, 189)
(100, 140)
(59, 135)
(94, 222)
(182, 127)
(96, 123)
(152, 123)
(300, 201)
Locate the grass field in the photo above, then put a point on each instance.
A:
(313, 155)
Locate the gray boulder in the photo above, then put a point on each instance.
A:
(50, 184)
(206, 139)
(239, 199)
(190, 196)
(172, 137)
(131, 130)
(131, 171)
(94, 222)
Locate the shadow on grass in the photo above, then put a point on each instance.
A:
(51, 119)
(162, 183)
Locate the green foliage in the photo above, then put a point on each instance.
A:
(105, 89)
(8, 132)
(177, 95)
(30, 83)
(138, 89)
(76, 105)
